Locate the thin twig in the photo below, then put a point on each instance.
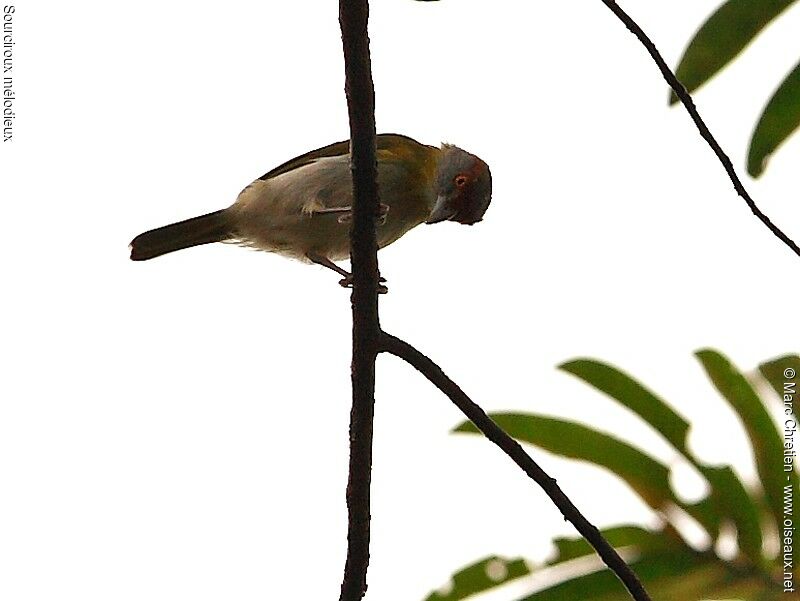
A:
(353, 17)
(687, 101)
(512, 448)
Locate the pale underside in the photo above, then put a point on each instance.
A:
(285, 214)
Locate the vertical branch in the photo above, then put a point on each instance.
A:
(353, 17)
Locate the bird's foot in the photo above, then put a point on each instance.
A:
(347, 282)
(383, 210)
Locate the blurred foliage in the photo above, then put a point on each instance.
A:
(719, 40)
(668, 566)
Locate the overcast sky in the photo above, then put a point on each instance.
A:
(177, 429)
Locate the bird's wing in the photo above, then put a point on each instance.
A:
(331, 150)
(330, 188)
(389, 142)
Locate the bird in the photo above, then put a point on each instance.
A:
(302, 208)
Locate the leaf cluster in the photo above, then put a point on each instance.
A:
(668, 566)
(726, 33)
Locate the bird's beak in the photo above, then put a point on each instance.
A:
(441, 212)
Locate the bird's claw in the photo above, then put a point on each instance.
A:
(347, 282)
(383, 210)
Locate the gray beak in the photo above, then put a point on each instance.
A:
(441, 212)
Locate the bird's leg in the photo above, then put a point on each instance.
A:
(347, 280)
(335, 210)
(326, 262)
(346, 213)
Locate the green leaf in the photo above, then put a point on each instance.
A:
(722, 37)
(782, 375)
(708, 512)
(648, 477)
(684, 576)
(755, 587)
(482, 576)
(634, 396)
(619, 537)
(733, 501)
(780, 118)
(764, 436)
(658, 414)
(669, 576)
(729, 499)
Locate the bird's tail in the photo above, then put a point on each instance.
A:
(205, 229)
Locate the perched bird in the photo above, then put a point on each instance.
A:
(302, 209)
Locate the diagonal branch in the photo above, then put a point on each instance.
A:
(512, 448)
(353, 17)
(687, 101)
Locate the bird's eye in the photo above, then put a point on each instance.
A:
(460, 181)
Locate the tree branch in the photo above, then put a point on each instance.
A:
(512, 448)
(687, 101)
(353, 17)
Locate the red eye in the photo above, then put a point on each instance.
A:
(460, 181)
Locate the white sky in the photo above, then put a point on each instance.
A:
(177, 429)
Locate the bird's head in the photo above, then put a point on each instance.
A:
(463, 187)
